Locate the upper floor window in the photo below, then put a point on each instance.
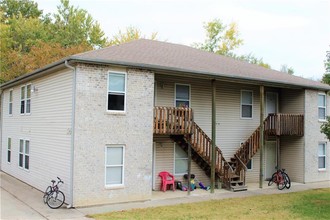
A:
(10, 108)
(246, 104)
(9, 150)
(181, 161)
(182, 95)
(114, 166)
(24, 154)
(321, 156)
(116, 92)
(26, 99)
(322, 106)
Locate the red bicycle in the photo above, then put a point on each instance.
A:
(281, 179)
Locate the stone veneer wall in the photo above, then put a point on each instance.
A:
(95, 128)
(312, 138)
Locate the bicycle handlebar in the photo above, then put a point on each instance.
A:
(59, 180)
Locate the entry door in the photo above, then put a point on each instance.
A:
(271, 103)
(270, 158)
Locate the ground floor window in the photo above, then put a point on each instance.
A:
(321, 156)
(24, 154)
(249, 165)
(180, 160)
(114, 165)
(9, 150)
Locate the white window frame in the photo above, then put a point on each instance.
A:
(184, 158)
(118, 92)
(9, 150)
(25, 99)
(241, 104)
(175, 99)
(24, 154)
(324, 107)
(121, 185)
(324, 144)
(10, 102)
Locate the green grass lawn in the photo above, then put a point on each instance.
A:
(312, 204)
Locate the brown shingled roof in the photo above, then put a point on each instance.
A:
(171, 56)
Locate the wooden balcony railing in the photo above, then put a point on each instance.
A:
(285, 124)
(174, 121)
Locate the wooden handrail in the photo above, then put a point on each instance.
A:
(274, 124)
(171, 120)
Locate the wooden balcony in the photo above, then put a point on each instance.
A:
(285, 124)
(173, 121)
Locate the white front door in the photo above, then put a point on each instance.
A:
(271, 103)
(270, 158)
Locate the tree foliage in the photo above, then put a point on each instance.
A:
(220, 38)
(131, 33)
(74, 26)
(30, 40)
(224, 39)
(286, 69)
(325, 128)
(326, 75)
(18, 8)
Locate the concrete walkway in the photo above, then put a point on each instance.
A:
(21, 201)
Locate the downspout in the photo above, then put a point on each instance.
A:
(72, 129)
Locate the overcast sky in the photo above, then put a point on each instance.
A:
(292, 32)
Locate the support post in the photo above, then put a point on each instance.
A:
(213, 136)
(189, 166)
(261, 143)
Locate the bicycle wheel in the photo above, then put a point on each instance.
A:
(272, 180)
(287, 180)
(281, 182)
(46, 193)
(55, 199)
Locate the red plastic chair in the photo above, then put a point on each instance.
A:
(167, 179)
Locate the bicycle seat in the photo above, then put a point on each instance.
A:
(53, 181)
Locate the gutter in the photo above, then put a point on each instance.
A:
(72, 128)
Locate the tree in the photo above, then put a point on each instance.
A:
(16, 8)
(220, 38)
(286, 69)
(44, 53)
(74, 26)
(325, 128)
(326, 75)
(131, 33)
(31, 40)
(223, 39)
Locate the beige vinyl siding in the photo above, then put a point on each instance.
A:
(164, 161)
(231, 129)
(292, 157)
(48, 128)
(292, 148)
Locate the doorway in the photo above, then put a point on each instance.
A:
(270, 158)
(271, 103)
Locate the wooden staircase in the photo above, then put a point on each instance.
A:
(179, 124)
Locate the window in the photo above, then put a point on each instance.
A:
(10, 109)
(322, 106)
(249, 165)
(182, 95)
(9, 150)
(246, 104)
(181, 161)
(24, 154)
(321, 155)
(116, 91)
(26, 99)
(114, 166)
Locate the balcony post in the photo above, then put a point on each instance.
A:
(213, 136)
(261, 144)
